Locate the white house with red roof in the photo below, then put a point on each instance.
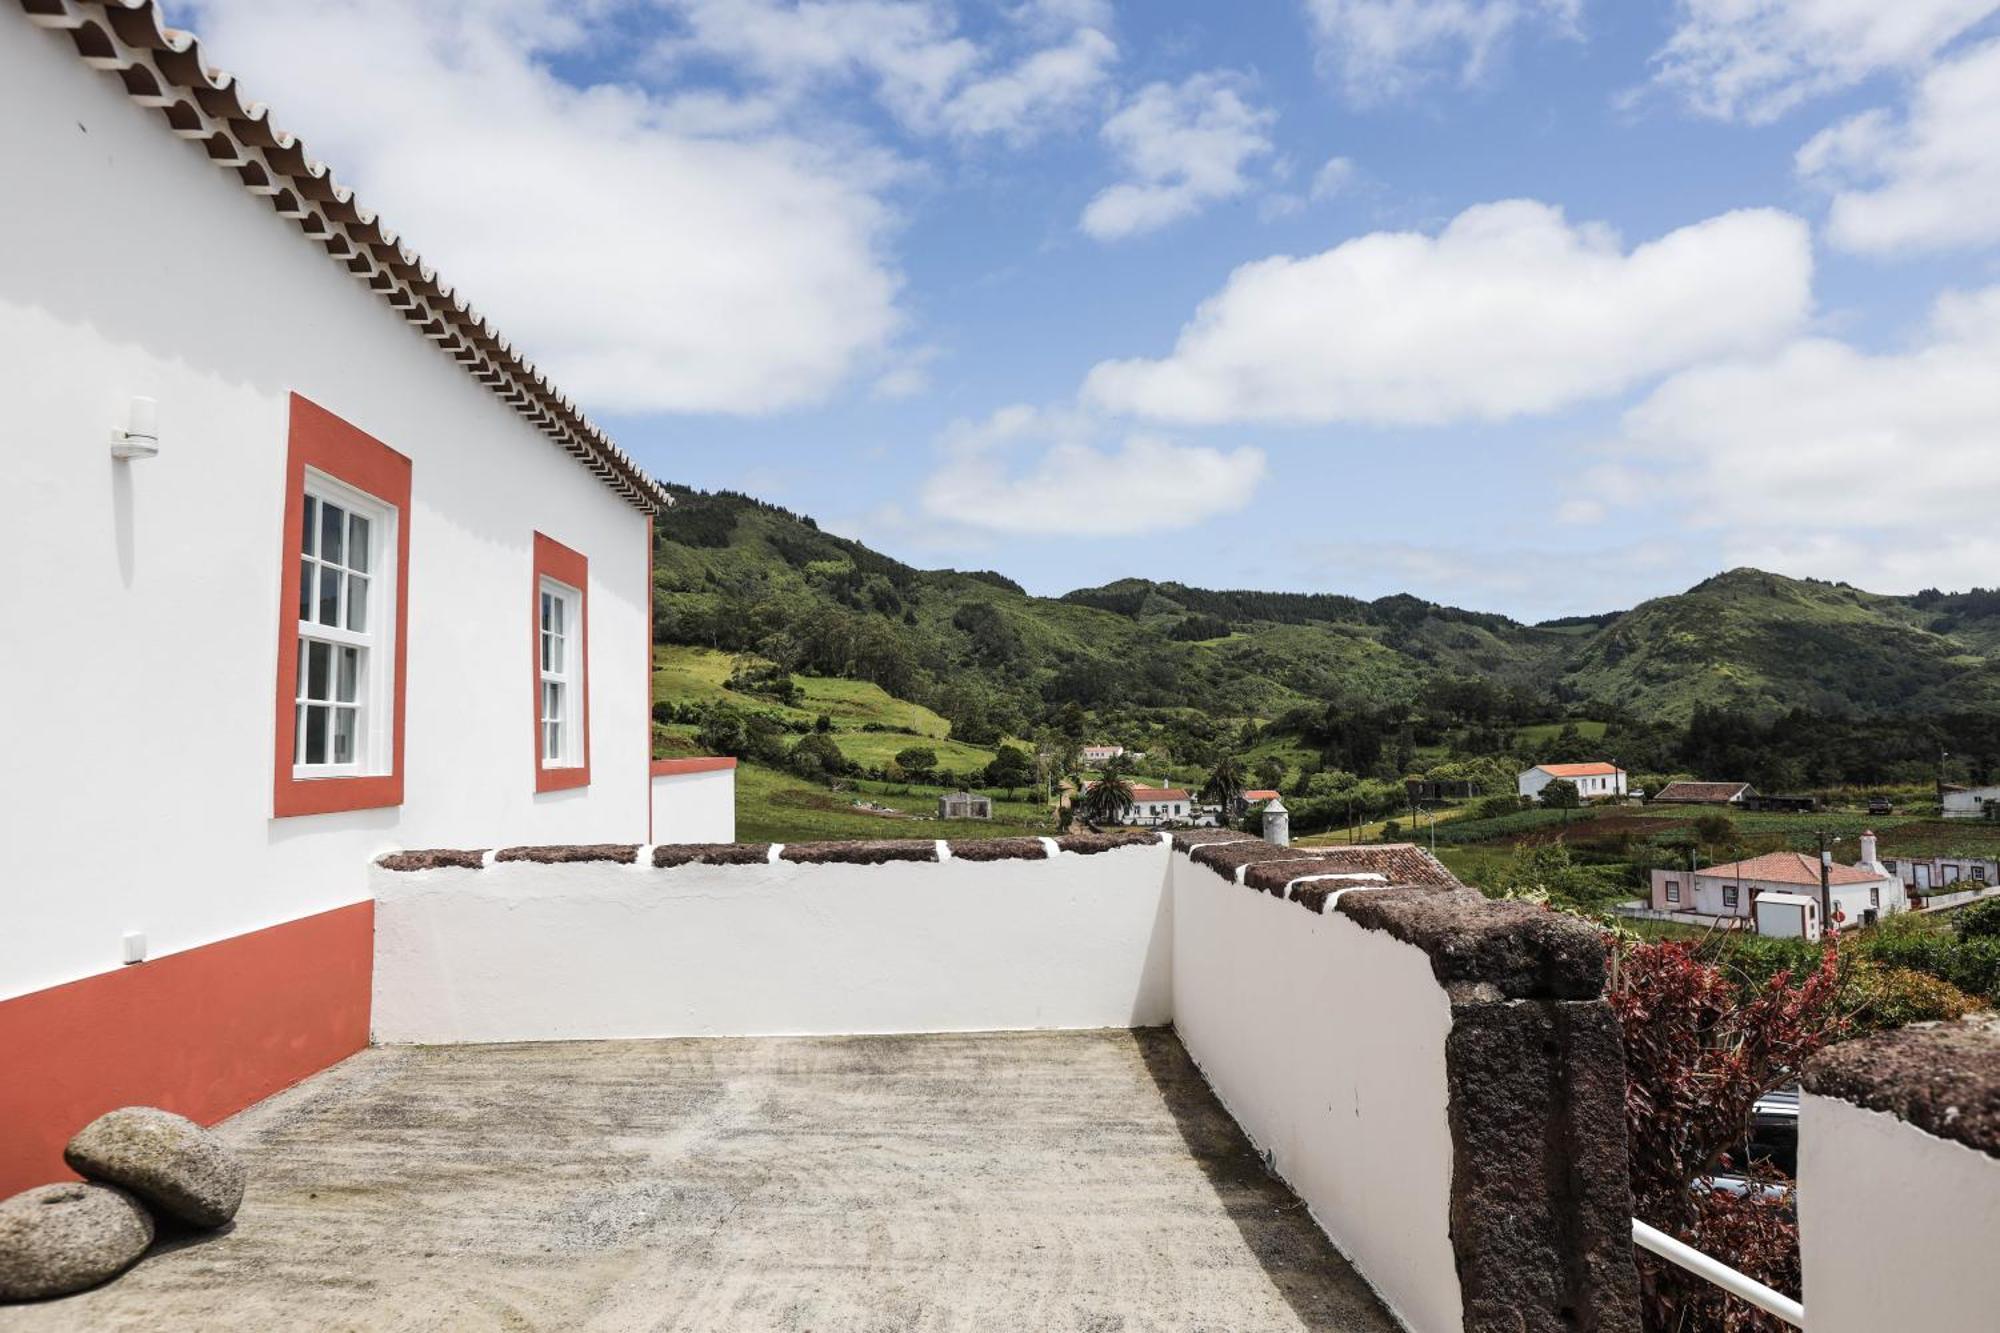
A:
(1862, 893)
(1160, 805)
(284, 504)
(1595, 780)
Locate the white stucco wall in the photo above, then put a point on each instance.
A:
(695, 807)
(1707, 895)
(520, 951)
(143, 597)
(1326, 1042)
(1896, 1225)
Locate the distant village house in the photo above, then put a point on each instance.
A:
(1437, 789)
(1595, 781)
(1861, 894)
(1159, 805)
(1097, 756)
(1924, 875)
(1971, 802)
(1244, 800)
(1705, 793)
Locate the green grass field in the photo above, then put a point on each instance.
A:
(1418, 832)
(696, 675)
(1541, 733)
(774, 806)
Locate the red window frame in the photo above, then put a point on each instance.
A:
(319, 440)
(555, 561)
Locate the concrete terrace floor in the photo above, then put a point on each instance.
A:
(1021, 1181)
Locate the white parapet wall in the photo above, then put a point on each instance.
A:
(525, 950)
(694, 800)
(1436, 1075)
(1326, 1042)
(1899, 1182)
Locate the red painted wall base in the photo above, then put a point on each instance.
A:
(205, 1033)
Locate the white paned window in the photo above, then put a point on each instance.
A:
(346, 624)
(562, 675)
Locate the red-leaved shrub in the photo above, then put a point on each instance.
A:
(1698, 1055)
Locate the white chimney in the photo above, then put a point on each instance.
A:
(1868, 858)
(1277, 824)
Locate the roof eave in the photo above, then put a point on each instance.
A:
(163, 69)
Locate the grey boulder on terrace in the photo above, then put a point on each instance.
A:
(58, 1239)
(166, 1159)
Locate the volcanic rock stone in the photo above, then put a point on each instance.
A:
(166, 1159)
(56, 1239)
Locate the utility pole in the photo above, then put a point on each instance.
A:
(1825, 884)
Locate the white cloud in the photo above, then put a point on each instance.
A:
(1379, 49)
(1333, 178)
(646, 265)
(908, 375)
(932, 77)
(1510, 310)
(1016, 101)
(1929, 181)
(1070, 485)
(1824, 458)
(1754, 60)
(1182, 148)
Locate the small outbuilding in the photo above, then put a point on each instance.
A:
(965, 805)
(1970, 802)
(1788, 916)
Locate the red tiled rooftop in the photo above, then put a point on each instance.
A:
(1788, 868)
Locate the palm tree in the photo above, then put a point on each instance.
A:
(1106, 801)
(1225, 783)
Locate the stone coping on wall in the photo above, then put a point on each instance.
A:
(1944, 1078)
(1509, 950)
(1512, 950)
(879, 851)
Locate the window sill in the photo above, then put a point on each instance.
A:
(325, 796)
(562, 779)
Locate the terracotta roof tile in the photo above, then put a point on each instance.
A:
(1593, 769)
(1788, 868)
(1700, 793)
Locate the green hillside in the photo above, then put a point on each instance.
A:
(738, 576)
(1762, 643)
(780, 630)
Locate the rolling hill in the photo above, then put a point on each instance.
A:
(739, 576)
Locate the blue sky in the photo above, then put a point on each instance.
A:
(1538, 306)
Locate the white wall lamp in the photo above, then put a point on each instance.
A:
(141, 436)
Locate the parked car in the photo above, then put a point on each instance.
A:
(1881, 805)
(1772, 1141)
